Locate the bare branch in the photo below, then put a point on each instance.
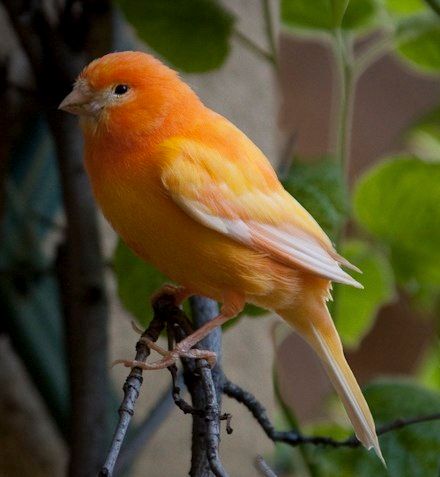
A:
(166, 313)
(212, 419)
(263, 467)
(131, 389)
(144, 432)
(294, 438)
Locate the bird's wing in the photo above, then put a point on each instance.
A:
(242, 198)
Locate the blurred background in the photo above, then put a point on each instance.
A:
(344, 99)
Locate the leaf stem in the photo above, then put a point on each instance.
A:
(270, 32)
(254, 47)
(346, 85)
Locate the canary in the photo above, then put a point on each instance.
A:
(188, 192)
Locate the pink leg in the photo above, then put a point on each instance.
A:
(232, 306)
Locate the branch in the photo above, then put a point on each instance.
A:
(131, 389)
(205, 387)
(144, 432)
(294, 438)
(198, 376)
(263, 467)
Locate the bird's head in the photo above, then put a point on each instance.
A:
(128, 90)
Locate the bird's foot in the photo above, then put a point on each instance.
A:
(179, 293)
(169, 357)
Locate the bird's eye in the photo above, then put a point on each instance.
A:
(121, 89)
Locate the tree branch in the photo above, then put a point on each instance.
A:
(131, 389)
(263, 467)
(198, 376)
(294, 438)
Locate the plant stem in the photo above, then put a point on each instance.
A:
(270, 32)
(346, 85)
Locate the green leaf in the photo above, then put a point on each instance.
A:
(401, 8)
(339, 8)
(398, 202)
(355, 310)
(136, 282)
(409, 452)
(327, 14)
(429, 373)
(418, 42)
(424, 137)
(320, 188)
(193, 35)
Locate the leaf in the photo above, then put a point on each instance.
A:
(398, 202)
(424, 137)
(136, 282)
(355, 310)
(339, 8)
(193, 35)
(429, 373)
(418, 42)
(401, 8)
(327, 14)
(409, 452)
(320, 188)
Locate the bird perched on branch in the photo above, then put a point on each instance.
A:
(191, 194)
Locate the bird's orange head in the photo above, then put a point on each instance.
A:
(128, 91)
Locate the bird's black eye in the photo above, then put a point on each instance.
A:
(121, 89)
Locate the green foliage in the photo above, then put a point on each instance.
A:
(398, 202)
(418, 41)
(136, 281)
(326, 15)
(355, 310)
(320, 188)
(424, 137)
(409, 452)
(193, 35)
(402, 8)
(429, 373)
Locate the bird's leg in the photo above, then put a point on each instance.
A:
(232, 306)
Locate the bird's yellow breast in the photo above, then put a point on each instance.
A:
(136, 204)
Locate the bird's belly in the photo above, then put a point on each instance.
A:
(189, 253)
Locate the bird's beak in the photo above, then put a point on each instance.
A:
(80, 101)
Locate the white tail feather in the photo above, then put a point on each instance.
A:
(324, 339)
(348, 390)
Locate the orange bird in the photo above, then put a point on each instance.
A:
(190, 193)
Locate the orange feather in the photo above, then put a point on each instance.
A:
(190, 193)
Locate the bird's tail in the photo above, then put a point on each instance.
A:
(321, 334)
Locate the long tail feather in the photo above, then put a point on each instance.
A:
(328, 347)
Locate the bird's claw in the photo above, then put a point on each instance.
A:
(169, 357)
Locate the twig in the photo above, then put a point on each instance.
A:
(212, 419)
(166, 313)
(184, 406)
(203, 439)
(254, 47)
(263, 467)
(145, 431)
(294, 438)
(131, 389)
